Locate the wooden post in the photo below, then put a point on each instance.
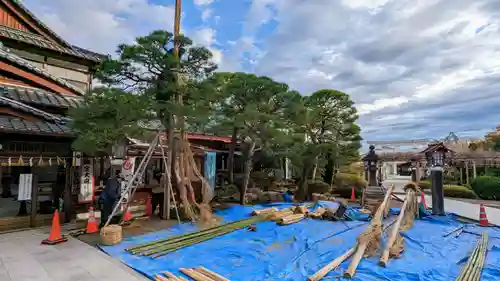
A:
(474, 171)
(467, 172)
(34, 196)
(461, 175)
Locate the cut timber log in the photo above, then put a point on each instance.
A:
(331, 266)
(195, 275)
(211, 274)
(317, 214)
(291, 218)
(264, 211)
(370, 235)
(278, 215)
(394, 233)
(301, 210)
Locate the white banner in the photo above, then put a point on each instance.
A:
(25, 187)
(86, 194)
(77, 159)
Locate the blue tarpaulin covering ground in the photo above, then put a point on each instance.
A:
(296, 251)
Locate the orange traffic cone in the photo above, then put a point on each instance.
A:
(91, 223)
(353, 194)
(127, 216)
(483, 219)
(149, 207)
(55, 236)
(422, 200)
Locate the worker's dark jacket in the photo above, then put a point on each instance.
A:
(109, 197)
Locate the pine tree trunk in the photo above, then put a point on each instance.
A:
(315, 169)
(230, 160)
(247, 171)
(168, 169)
(303, 193)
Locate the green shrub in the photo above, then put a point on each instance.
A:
(458, 191)
(318, 187)
(349, 180)
(487, 187)
(424, 185)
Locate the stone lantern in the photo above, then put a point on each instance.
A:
(370, 163)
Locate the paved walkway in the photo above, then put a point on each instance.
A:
(22, 258)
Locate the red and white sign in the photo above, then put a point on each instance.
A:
(127, 165)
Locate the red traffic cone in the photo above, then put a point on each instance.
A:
(353, 194)
(55, 236)
(149, 207)
(422, 200)
(483, 219)
(127, 216)
(91, 223)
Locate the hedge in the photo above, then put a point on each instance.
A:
(487, 187)
(458, 191)
(349, 180)
(425, 184)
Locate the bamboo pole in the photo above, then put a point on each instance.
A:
(195, 275)
(375, 223)
(331, 266)
(360, 251)
(395, 231)
(211, 274)
(171, 276)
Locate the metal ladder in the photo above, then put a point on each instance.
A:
(128, 193)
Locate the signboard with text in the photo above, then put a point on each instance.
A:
(87, 187)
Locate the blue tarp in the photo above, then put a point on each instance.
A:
(296, 251)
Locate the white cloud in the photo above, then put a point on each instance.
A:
(204, 36)
(203, 2)
(206, 14)
(102, 24)
(393, 57)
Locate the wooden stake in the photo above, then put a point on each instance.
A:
(360, 251)
(331, 266)
(394, 233)
(363, 244)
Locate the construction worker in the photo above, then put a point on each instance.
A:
(157, 196)
(109, 196)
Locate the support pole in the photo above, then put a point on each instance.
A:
(414, 174)
(437, 191)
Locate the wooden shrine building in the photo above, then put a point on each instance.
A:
(41, 77)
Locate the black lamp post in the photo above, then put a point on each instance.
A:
(370, 163)
(436, 159)
(414, 167)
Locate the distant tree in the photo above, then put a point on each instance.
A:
(251, 109)
(105, 116)
(326, 122)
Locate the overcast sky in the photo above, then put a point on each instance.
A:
(415, 68)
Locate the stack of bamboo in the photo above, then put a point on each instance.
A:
(197, 274)
(394, 246)
(162, 247)
(474, 266)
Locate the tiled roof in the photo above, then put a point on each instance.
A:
(35, 96)
(41, 42)
(17, 125)
(4, 53)
(38, 22)
(31, 110)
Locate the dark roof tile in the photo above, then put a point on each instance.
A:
(17, 125)
(42, 42)
(37, 96)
